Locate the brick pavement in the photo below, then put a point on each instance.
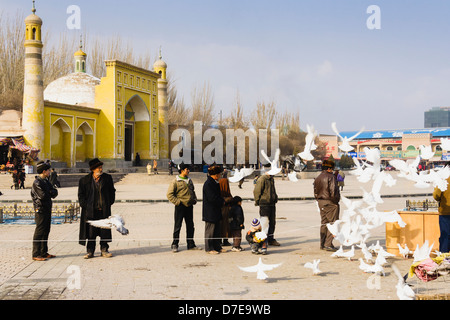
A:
(144, 268)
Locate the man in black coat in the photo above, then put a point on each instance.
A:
(42, 193)
(212, 210)
(96, 194)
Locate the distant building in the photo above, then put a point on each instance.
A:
(437, 117)
(399, 144)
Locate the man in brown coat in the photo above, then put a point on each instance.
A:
(326, 192)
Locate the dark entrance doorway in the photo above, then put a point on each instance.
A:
(128, 142)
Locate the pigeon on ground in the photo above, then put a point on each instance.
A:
(348, 254)
(404, 291)
(293, 176)
(113, 222)
(260, 268)
(345, 146)
(314, 266)
(404, 252)
(368, 268)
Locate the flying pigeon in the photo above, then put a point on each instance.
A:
(345, 146)
(240, 174)
(445, 144)
(309, 144)
(423, 252)
(293, 176)
(274, 169)
(426, 152)
(260, 268)
(113, 222)
(314, 266)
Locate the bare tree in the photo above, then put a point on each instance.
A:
(236, 119)
(203, 105)
(178, 113)
(263, 117)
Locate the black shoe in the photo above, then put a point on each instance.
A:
(174, 248)
(329, 248)
(226, 243)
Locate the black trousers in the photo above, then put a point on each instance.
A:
(93, 233)
(186, 213)
(212, 236)
(40, 239)
(269, 212)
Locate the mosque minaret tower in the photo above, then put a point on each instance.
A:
(33, 96)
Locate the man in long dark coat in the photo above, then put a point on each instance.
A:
(212, 210)
(96, 194)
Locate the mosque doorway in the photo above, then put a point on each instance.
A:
(129, 142)
(137, 129)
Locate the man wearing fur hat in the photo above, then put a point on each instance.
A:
(181, 193)
(42, 193)
(326, 192)
(212, 210)
(96, 194)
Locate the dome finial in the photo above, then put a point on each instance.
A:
(34, 7)
(81, 41)
(160, 55)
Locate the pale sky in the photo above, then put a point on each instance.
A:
(317, 57)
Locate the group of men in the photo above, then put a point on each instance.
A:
(96, 195)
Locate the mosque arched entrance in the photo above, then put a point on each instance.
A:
(137, 128)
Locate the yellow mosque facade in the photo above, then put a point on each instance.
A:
(79, 117)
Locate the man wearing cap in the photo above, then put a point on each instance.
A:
(42, 193)
(326, 192)
(212, 210)
(266, 197)
(181, 193)
(96, 194)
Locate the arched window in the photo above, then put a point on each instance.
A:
(34, 34)
(389, 148)
(411, 148)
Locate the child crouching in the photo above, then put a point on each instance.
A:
(258, 245)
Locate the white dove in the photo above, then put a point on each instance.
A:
(404, 291)
(380, 260)
(405, 252)
(423, 252)
(309, 144)
(314, 266)
(240, 174)
(260, 268)
(345, 146)
(375, 247)
(426, 152)
(367, 254)
(367, 268)
(274, 169)
(445, 144)
(349, 254)
(113, 222)
(293, 176)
